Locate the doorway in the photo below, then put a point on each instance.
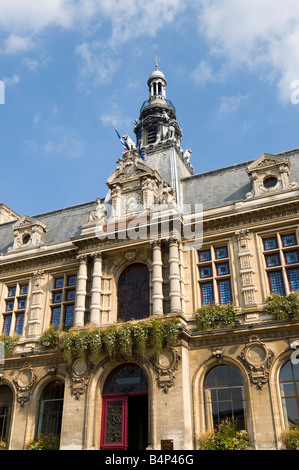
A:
(125, 410)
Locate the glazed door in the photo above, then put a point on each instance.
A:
(115, 423)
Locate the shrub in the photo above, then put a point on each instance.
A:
(282, 307)
(226, 437)
(291, 439)
(45, 442)
(3, 445)
(215, 316)
(10, 343)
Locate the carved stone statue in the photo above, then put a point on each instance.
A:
(187, 155)
(129, 142)
(99, 213)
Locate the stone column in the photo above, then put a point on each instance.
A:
(157, 279)
(81, 291)
(174, 276)
(96, 290)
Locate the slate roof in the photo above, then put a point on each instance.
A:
(213, 189)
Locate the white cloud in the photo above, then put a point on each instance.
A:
(13, 80)
(262, 36)
(95, 63)
(115, 117)
(15, 44)
(203, 73)
(230, 104)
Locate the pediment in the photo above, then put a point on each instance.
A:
(130, 168)
(265, 161)
(26, 221)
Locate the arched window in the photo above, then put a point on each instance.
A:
(223, 389)
(133, 293)
(50, 408)
(289, 389)
(5, 411)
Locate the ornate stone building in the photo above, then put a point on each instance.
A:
(161, 244)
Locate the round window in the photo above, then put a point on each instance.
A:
(270, 182)
(26, 239)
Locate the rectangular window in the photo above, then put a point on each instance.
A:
(204, 255)
(56, 317)
(24, 289)
(16, 303)
(7, 324)
(207, 296)
(9, 305)
(63, 300)
(282, 256)
(19, 323)
(12, 291)
(58, 283)
(293, 278)
(224, 289)
(289, 240)
(69, 315)
(222, 269)
(276, 282)
(270, 243)
(221, 252)
(218, 289)
(272, 260)
(291, 257)
(205, 271)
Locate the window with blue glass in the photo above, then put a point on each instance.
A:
(19, 323)
(293, 278)
(207, 295)
(224, 290)
(221, 252)
(16, 303)
(7, 324)
(289, 240)
(270, 243)
(69, 315)
(291, 257)
(63, 300)
(285, 280)
(218, 289)
(205, 271)
(272, 260)
(204, 255)
(276, 282)
(222, 269)
(55, 320)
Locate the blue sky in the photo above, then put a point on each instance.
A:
(75, 69)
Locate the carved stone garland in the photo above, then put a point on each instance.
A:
(257, 359)
(165, 368)
(24, 381)
(79, 372)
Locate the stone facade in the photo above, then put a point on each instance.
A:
(202, 239)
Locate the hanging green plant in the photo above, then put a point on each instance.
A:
(117, 341)
(10, 343)
(282, 307)
(215, 316)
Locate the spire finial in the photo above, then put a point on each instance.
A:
(157, 60)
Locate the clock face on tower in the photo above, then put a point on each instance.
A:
(132, 201)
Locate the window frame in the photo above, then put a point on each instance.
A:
(211, 258)
(281, 250)
(14, 307)
(63, 284)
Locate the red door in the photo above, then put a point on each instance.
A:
(114, 423)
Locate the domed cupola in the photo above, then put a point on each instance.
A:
(157, 85)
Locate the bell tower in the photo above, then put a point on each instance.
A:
(159, 134)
